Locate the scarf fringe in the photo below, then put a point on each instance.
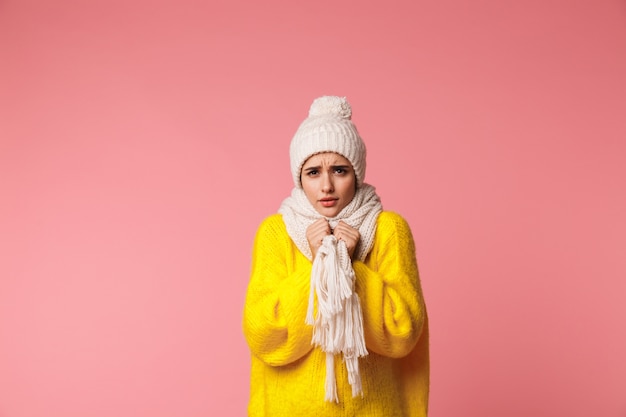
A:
(338, 324)
(331, 382)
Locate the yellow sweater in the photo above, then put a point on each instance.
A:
(287, 376)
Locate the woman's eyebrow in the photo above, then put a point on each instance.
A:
(318, 168)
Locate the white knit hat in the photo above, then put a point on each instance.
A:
(328, 129)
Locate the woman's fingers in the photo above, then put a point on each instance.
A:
(348, 234)
(315, 233)
(319, 229)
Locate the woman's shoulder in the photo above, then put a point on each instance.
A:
(392, 219)
(273, 220)
(272, 224)
(391, 224)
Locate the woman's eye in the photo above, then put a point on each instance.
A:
(311, 173)
(340, 171)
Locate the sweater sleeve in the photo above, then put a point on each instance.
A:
(389, 289)
(277, 298)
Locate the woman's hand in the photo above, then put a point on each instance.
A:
(349, 235)
(315, 233)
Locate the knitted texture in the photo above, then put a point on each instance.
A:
(338, 325)
(288, 373)
(360, 213)
(328, 129)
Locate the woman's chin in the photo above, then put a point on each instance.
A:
(327, 211)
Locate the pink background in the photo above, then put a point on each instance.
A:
(142, 142)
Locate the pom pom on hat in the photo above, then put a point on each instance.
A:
(328, 129)
(331, 106)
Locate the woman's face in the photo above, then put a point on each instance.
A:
(329, 182)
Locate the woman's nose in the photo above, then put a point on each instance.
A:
(327, 184)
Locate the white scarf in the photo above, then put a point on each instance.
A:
(338, 325)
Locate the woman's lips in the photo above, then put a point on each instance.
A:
(328, 202)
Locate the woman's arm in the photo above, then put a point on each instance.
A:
(277, 298)
(390, 292)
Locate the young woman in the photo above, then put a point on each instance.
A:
(334, 314)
